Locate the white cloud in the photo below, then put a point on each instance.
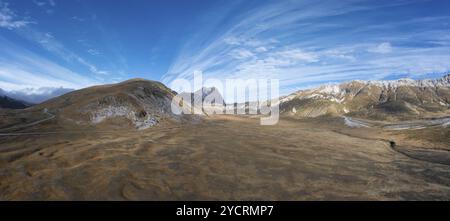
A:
(241, 54)
(9, 19)
(47, 6)
(298, 55)
(383, 48)
(76, 18)
(14, 77)
(39, 3)
(44, 3)
(21, 68)
(51, 44)
(261, 49)
(340, 54)
(52, 3)
(93, 52)
(288, 43)
(232, 41)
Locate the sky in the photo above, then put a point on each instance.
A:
(303, 43)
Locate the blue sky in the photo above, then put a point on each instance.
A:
(303, 43)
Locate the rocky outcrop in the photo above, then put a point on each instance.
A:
(210, 95)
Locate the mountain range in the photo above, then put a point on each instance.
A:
(396, 99)
(10, 103)
(145, 103)
(35, 96)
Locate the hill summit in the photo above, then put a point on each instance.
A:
(143, 103)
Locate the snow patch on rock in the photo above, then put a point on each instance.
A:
(287, 98)
(330, 89)
(443, 82)
(325, 97)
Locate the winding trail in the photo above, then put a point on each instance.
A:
(15, 127)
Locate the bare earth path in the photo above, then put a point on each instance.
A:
(21, 126)
(224, 158)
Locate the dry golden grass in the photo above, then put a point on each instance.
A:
(220, 158)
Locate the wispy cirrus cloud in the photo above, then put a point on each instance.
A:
(21, 68)
(47, 5)
(305, 43)
(47, 41)
(9, 19)
(383, 48)
(42, 3)
(93, 52)
(76, 18)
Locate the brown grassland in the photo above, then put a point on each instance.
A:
(224, 158)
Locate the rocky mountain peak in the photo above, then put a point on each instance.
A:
(377, 99)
